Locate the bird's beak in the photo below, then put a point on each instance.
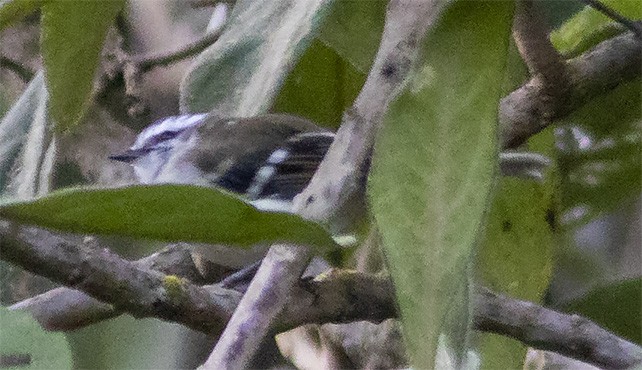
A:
(129, 156)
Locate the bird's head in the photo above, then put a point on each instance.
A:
(153, 145)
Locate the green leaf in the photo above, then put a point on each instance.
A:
(166, 212)
(128, 343)
(589, 27)
(14, 10)
(433, 169)
(241, 74)
(617, 307)
(320, 76)
(354, 30)
(72, 38)
(16, 124)
(600, 153)
(516, 253)
(23, 340)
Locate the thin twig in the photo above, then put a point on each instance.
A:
(209, 3)
(23, 72)
(634, 26)
(146, 63)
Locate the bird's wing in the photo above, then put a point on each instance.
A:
(288, 169)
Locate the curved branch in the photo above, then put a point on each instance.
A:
(596, 72)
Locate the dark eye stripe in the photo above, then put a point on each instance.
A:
(163, 136)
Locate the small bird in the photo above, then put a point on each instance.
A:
(269, 159)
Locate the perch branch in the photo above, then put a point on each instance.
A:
(69, 309)
(109, 278)
(336, 297)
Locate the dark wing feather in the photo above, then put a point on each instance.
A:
(286, 175)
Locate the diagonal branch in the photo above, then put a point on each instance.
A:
(531, 35)
(109, 278)
(256, 313)
(544, 63)
(340, 178)
(335, 195)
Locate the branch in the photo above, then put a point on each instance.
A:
(335, 195)
(23, 72)
(255, 314)
(64, 309)
(596, 72)
(542, 328)
(109, 278)
(544, 63)
(125, 72)
(340, 178)
(337, 297)
(146, 63)
(531, 35)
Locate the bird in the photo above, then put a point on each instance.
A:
(266, 159)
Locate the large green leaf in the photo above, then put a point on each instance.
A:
(72, 39)
(589, 27)
(433, 169)
(354, 29)
(516, 253)
(14, 10)
(241, 74)
(320, 76)
(16, 124)
(617, 307)
(26, 345)
(166, 212)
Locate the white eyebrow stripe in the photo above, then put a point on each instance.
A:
(173, 123)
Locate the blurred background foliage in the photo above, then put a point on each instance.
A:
(577, 247)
